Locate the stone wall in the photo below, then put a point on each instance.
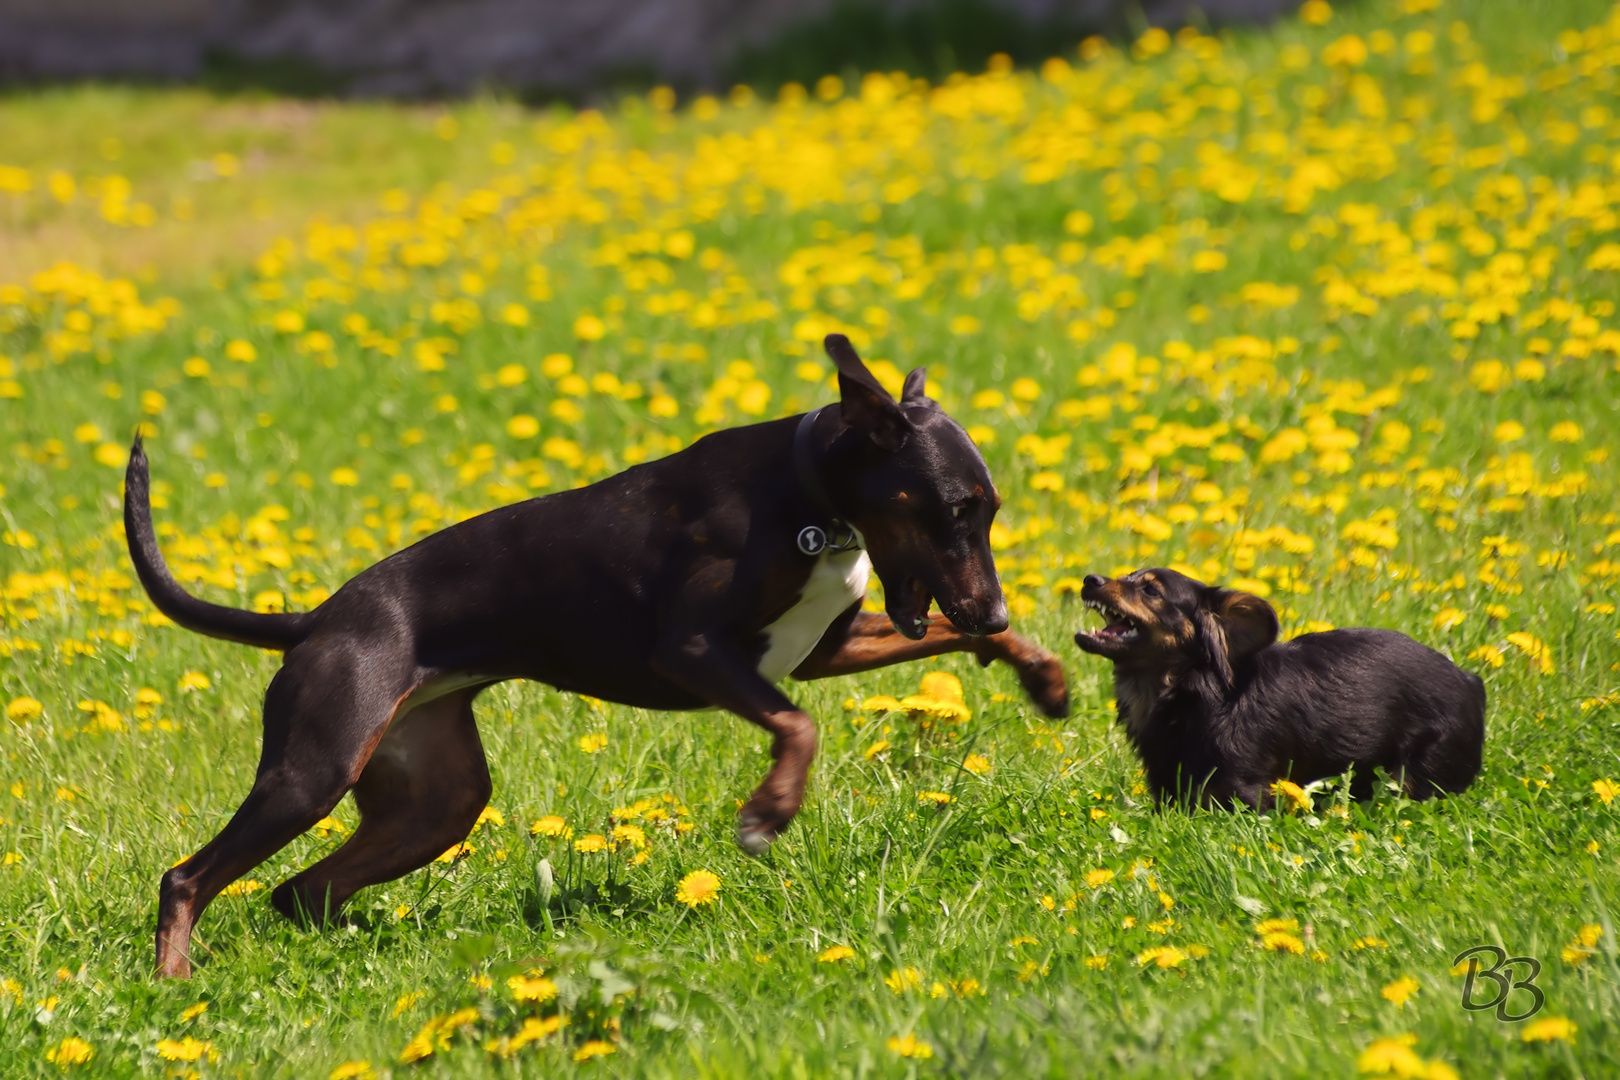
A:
(415, 48)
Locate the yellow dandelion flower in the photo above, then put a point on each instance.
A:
(1281, 941)
(1165, 956)
(909, 1046)
(550, 825)
(903, 979)
(834, 953)
(531, 988)
(1296, 796)
(186, 1049)
(1548, 1029)
(1449, 617)
(329, 825)
(941, 685)
(594, 1048)
(593, 743)
(1315, 12)
(1537, 650)
(1393, 1056)
(70, 1053)
(698, 887)
(968, 987)
(1584, 946)
(591, 843)
(1400, 991)
(23, 709)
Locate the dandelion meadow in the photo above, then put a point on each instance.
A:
(1325, 311)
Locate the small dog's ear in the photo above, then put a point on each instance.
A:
(1234, 624)
(1213, 637)
(916, 387)
(1251, 623)
(864, 404)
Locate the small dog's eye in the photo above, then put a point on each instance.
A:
(1151, 590)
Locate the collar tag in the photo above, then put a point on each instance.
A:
(812, 541)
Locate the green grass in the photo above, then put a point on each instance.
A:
(97, 809)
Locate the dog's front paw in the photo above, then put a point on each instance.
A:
(1043, 680)
(753, 835)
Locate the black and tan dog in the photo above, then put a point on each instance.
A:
(1218, 709)
(695, 581)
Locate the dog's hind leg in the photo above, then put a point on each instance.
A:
(862, 640)
(419, 795)
(323, 713)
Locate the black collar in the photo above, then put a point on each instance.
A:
(842, 537)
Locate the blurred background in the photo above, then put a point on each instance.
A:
(540, 49)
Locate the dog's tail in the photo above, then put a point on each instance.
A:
(266, 630)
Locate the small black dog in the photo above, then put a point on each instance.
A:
(1218, 709)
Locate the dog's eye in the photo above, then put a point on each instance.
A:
(1151, 591)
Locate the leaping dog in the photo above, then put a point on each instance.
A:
(695, 581)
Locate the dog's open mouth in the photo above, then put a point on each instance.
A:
(1120, 628)
(908, 609)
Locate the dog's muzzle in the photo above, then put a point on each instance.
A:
(978, 617)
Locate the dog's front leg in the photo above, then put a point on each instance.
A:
(862, 640)
(717, 671)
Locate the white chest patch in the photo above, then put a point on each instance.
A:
(836, 582)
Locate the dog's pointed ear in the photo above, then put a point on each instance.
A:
(916, 390)
(864, 404)
(1234, 625)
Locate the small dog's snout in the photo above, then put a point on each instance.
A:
(1095, 581)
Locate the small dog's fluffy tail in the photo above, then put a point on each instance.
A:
(266, 630)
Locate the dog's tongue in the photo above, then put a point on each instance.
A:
(908, 610)
(1117, 629)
